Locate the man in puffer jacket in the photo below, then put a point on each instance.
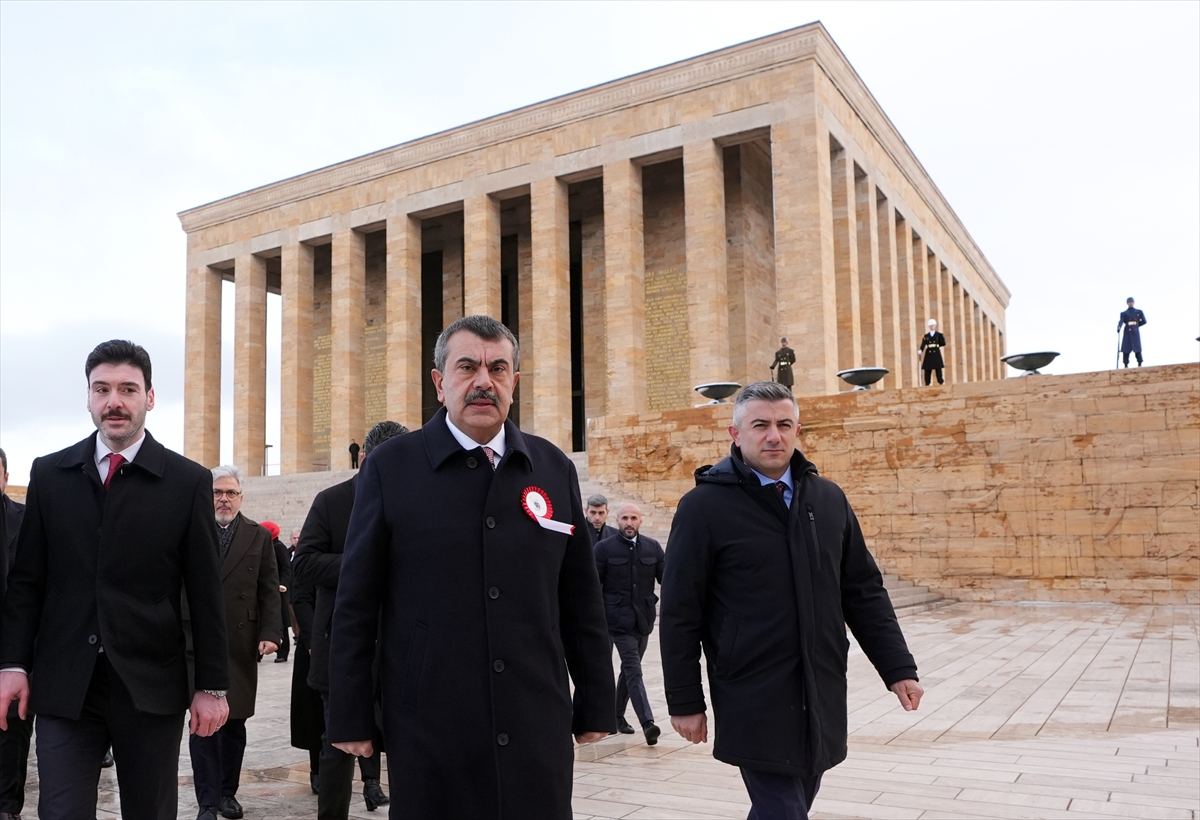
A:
(765, 568)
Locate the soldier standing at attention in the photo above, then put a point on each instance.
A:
(931, 353)
(785, 357)
(1131, 339)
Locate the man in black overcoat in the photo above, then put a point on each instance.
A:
(115, 528)
(468, 536)
(629, 564)
(1130, 325)
(318, 564)
(785, 357)
(930, 351)
(766, 568)
(14, 741)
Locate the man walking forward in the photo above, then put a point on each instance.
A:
(766, 568)
(629, 564)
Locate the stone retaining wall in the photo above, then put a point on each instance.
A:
(1057, 488)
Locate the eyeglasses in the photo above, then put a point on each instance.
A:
(231, 494)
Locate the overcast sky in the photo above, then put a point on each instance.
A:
(1065, 136)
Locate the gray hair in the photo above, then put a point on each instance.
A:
(597, 500)
(485, 327)
(766, 391)
(228, 471)
(380, 433)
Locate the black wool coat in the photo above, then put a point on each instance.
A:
(318, 564)
(768, 592)
(306, 713)
(605, 532)
(108, 568)
(627, 575)
(931, 346)
(250, 578)
(485, 613)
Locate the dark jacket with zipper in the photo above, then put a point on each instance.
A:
(628, 570)
(768, 591)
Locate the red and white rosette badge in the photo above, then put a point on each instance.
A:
(537, 506)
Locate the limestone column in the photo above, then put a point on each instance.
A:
(958, 342)
(987, 349)
(481, 256)
(347, 395)
(934, 269)
(909, 336)
(889, 294)
(250, 364)
(706, 257)
(296, 362)
(625, 275)
(202, 355)
(406, 373)
(945, 289)
(551, 279)
(920, 261)
(977, 339)
(845, 255)
(869, 285)
(805, 282)
(968, 336)
(452, 270)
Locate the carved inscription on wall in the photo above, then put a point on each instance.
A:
(666, 337)
(322, 360)
(375, 340)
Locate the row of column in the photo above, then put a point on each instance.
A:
(854, 286)
(888, 282)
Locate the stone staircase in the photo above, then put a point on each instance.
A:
(286, 499)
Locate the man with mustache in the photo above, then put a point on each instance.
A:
(116, 528)
(468, 538)
(629, 564)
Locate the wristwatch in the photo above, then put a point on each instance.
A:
(216, 693)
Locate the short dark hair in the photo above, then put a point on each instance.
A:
(767, 391)
(118, 351)
(597, 500)
(485, 327)
(4, 458)
(380, 433)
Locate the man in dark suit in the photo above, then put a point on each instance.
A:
(116, 528)
(14, 741)
(318, 564)
(597, 514)
(767, 568)
(467, 536)
(628, 565)
(250, 581)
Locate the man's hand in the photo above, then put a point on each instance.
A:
(267, 647)
(691, 727)
(14, 685)
(909, 692)
(589, 737)
(208, 714)
(357, 748)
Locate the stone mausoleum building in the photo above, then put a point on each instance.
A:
(640, 237)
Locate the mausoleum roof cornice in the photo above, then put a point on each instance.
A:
(809, 42)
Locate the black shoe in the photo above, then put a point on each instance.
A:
(207, 813)
(652, 732)
(623, 726)
(281, 660)
(108, 761)
(230, 808)
(373, 794)
(314, 780)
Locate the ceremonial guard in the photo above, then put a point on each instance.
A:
(1128, 326)
(931, 353)
(785, 357)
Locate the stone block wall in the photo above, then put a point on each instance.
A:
(1055, 488)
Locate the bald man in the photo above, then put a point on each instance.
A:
(629, 563)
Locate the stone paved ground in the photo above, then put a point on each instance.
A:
(1030, 712)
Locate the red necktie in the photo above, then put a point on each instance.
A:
(491, 454)
(115, 460)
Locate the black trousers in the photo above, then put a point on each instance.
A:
(14, 761)
(630, 684)
(929, 375)
(337, 775)
(217, 761)
(779, 796)
(145, 747)
(285, 647)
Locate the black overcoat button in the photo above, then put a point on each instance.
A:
(92, 639)
(493, 593)
(472, 462)
(498, 666)
(502, 739)
(491, 523)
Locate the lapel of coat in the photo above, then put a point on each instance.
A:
(242, 539)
